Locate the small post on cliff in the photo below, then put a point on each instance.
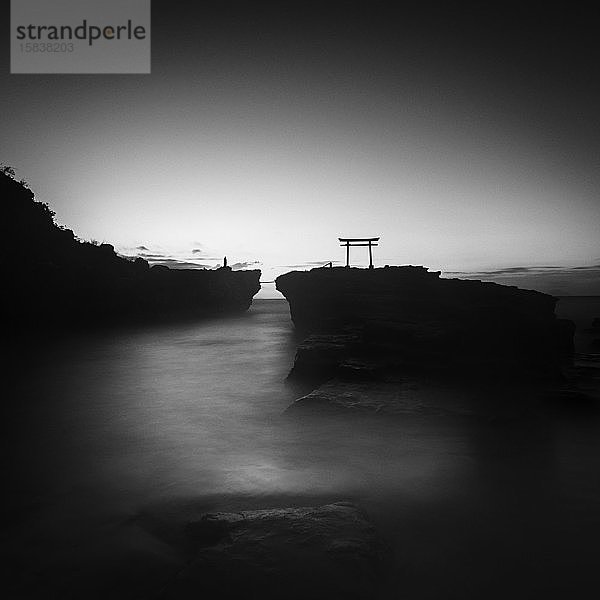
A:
(224, 261)
(370, 242)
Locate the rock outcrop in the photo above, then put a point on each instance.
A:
(327, 552)
(53, 280)
(390, 398)
(411, 319)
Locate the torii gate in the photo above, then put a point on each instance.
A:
(370, 242)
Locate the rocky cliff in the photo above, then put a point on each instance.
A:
(366, 321)
(51, 279)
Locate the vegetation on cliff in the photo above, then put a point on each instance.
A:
(52, 279)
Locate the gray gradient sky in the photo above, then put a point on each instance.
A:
(470, 141)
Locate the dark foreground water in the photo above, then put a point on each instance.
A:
(113, 440)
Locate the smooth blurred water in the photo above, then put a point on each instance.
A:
(192, 408)
(99, 427)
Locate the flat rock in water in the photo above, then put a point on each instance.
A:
(373, 397)
(424, 320)
(326, 552)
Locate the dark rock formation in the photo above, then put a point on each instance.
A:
(411, 318)
(391, 398)
(51, 279)
(328, 552)
(320, 355)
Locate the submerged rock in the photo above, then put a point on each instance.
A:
(327, 552)
(361, 398)
(403, 399)
(319, 356)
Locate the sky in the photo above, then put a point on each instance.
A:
(469, 140)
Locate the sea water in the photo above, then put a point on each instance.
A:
(105, 426)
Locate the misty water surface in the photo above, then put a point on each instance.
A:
(105, 425)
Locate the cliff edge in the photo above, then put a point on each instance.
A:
(53, 280)
(366, 321)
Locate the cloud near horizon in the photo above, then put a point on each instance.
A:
(558, 281)
(578, 280)
(175, 260)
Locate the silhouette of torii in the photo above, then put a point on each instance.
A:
(370, 242)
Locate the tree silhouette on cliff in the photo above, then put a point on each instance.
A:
(52, 279)
(32, 238)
